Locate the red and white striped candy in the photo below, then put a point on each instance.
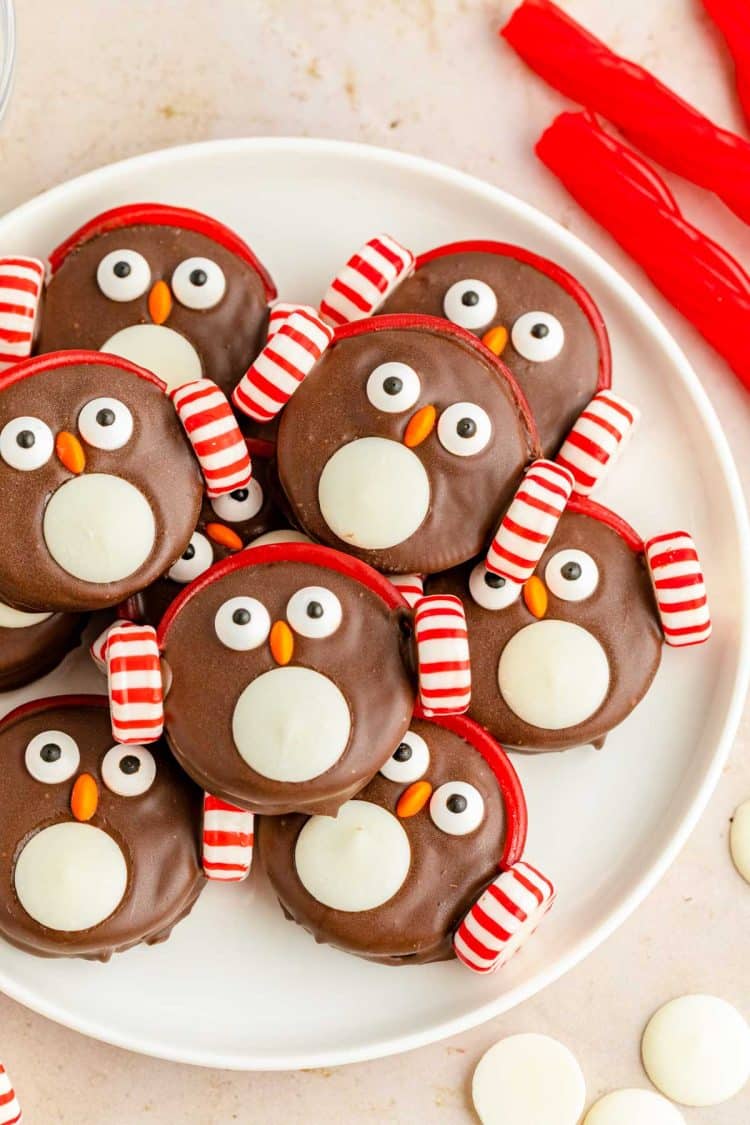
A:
(281, 312)
(410, 586)
(10, 1110)
(288, 357)
(227, 840)
(679, 588)
(21, 283)
(503, 917)
(136, 693)
(442, 655)
(530, 522)
(366, 281)
(597, 440)
(98, 650)
(212, 428)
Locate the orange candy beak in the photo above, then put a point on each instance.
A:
(160, 302)
(282, 643)
(70, 452)
(420, 426)
(84, 800)
(535, 596)
(496, 339)
(224, 536)
(413, 799)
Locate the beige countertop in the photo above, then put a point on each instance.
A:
(103, 79)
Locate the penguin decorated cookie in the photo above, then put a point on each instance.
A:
(102, 477)
(524, 308)
(423, 864)
(567, 617)
(32, 644)
(285, 675)
(100, 843)
(167, 288)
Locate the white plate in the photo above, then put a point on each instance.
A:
(237, 985)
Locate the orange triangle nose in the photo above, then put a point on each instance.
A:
(160, 302)
(420, 426)
(70, 452)
(84, 800)
(282, 642)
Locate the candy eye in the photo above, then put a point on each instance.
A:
(393, 387)
(571, 575)
(470, 303)
(242, 504)
(52, 757)
(457, 808)
(492, 591)
(123, 275)
(538, 336)
(464, 429)
(242, 624)
(128, 771)
(106, 423)
(314, 612)
(198, 283)
(409, 761)
(26, 444)
(197, 557)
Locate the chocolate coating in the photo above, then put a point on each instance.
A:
(28, 654)
(558, 390)
(228, 337)
(446, 876)
(157, 460)
(468, 494)
(158, 833)
(367, 658)
(620, 614)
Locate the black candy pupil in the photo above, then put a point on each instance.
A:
(470, 298)
(403, 753)
(50, 753)
(571, 571)
(106, 417)
(456, 803)
(466, 428)
(189, 553)
(494, 581)
(539, 331)
(240, 495)
(25, 439)
(198, 277)
(130, 764)
(314, 609)
(393, 385)
(122, 269)
(241, 617)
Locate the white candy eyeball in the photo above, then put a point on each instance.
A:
(571, 575)
(197, 557)
(393, 387)
(409, 761)
(314, 612)
(128, 771)
(240, 505)
(26, 444)
(492, 591)
(538, 336)
(106, 423)
(464, 429)
(199, 283)
(457, 808)
(123, 275)
(242, 624)
(470, 303)
(52, 757)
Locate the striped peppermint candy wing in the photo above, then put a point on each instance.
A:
(679, 588)
(410, 586)
(136, 693)
(597, 440)
(530, 522)
(213, 432)
(21, 284)
(366, 281)
(442, 640)
(98, 650)
(10, 1110)
(288, 357)
(227, 840)
(503, 917)
(281, 311)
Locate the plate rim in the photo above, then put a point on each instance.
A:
(390, 1045)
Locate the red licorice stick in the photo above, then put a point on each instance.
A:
(623, 193)
(732, 17)
(650, 115)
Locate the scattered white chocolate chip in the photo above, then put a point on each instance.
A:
(739, 840)
(633, 1107)
(696, 1050)
(528, 1078)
